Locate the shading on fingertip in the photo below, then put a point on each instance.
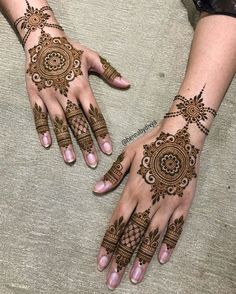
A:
(113, 281)
(107, 148)
(103, 262)
(136, 275)
(46, 140)
(164, 254)
(92, 160)
(122, 82)
(69, 156)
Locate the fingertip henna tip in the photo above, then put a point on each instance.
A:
(99, 187)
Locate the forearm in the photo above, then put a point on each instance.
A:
(30, 18)
(212, 63)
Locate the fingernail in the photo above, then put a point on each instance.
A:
(69, 155)
(99, 186)
(103, 262)
(107, 148)
(92, 160)
(46, 141)
(136, 275)
(164, 257)
(113, 281)
(124, 82)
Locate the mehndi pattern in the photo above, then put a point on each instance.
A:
(113, 235)
(168, 164)
(34, 19)
(148, 247)
(41, 119)
(79, 126)
(54, 62)
(97, 122)
(115, 173)
(131, 237)
(110, 73)
(173, 233)
(62, 132)
(193, 110)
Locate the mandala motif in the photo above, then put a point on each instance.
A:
(97, 122)
(169, 164)
(62, 132)
(54, 63)
(173, 233)
(148, 247)
(132, 236)
(79, 126)
(110, 72)
(34, 19)
(113, 235)
(193, 110)
(115, 173)
(41, 119)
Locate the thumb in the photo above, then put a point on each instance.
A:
(109, 73)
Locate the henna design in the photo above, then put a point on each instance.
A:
(79, 126)
(97, 122)
(132, 236)
(54, 63)
(41, 119)
(113, 235)
(173, 233)
(115, 173)
(148, 247)
(168, 164)
(62, 133)
(192, 110)
(110, 73)
(34, 19)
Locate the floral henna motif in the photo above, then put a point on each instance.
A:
(62, 133)
(34, 19)
(113, 235)
(168, 164)
(110, 72)
(115, 173)
(193, 110)
(41, 119)
(173, 233)
(148, 247)
(132, 236)
(97, 122)
(79, 126)
(54, 63)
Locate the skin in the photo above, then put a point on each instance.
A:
(50, 100)
(212, 62)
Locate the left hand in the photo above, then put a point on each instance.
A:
(163, 167)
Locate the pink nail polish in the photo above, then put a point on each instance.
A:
(113, 281)
(69, 155)
(136, 275)
(46, 142)
(164, 257)
(99, 186)
(103, 262)
(107, 148)
(124, 82)
(92, 160)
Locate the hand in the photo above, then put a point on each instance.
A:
(60, 87)
(57, 82)
(163, 166)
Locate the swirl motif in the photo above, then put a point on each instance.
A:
(54, 63)
(169, 164)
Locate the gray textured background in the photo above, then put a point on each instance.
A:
(50, 223)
